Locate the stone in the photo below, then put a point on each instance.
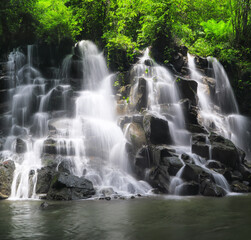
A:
(174, 164)
(159, 178)
(65, 186)
(213, 164)
(210, 189)
(187, 89)
(140, 99)
(44, 177)
(7, 169)
(20, 146)
(239, 187)
(224, 151)
(107, 192)
(135, 135)
(187, 189)
(158, 152)
(199, 145)
(50, 146)
(195, 173)
(156, 129)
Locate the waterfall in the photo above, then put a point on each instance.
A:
(221, 111)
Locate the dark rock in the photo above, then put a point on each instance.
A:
(224, 151)
(44, 205)
(132, 197)
(50, 146)
(156, 129)
(246, 173)
(7, 169)
(159, 178)
(239, 187)
(141, 99)
(210, 189)
(69, 187)
(196, 128)
(44, 177)
(138, 118)
(174, 164)
(142, 161)
(213, 164)
(199, 145)
(158, 152)
(195, 173)
(187, 89)
(178, 61)
(187, 189)
(149, 62)
(107, 198)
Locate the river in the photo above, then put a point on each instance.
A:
(141, 218)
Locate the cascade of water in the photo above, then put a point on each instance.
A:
(162, 96)
(221, 113)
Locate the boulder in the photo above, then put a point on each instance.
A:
(135, 135)
(158, 152)
(187, 89)
(65, 186)
(7, 169)
(50, 146)
(174, 164)
(200, 146)
(210, 189)
(213, 164)
(239, 187)
(159, 178)
(187, 189)
(44, 177)
(156, 129)
(140, 99)
(224, 151)
(195, 173)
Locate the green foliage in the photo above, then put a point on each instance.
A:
(56, 21)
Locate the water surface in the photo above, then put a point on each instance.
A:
(144, 218)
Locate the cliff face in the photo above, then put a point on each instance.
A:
(179, 128)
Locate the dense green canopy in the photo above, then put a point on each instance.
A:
(222, 29)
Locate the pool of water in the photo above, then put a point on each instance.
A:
(142, 218)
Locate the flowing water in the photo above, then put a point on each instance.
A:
(194, 218)
(91, 142)
(83, 124)
(220, 112)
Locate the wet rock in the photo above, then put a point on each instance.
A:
(210, 82)
(239, 187)
(199, 145)
(195, 173)
(149, 62)
(210, 189)
(187, 89)
(141, 99)
(136, 135)
(50, 146)
(21, 146)
(224, 151)
(196, 128)
(174, 164)
(159, 178)
(156, 129)
(44, 177)
(246, 173)
(213, 164)
(44, 205)
(178, 61)
(188, 189)
(7, 169)
(69, 187)
(158, 152)
(107, 198)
